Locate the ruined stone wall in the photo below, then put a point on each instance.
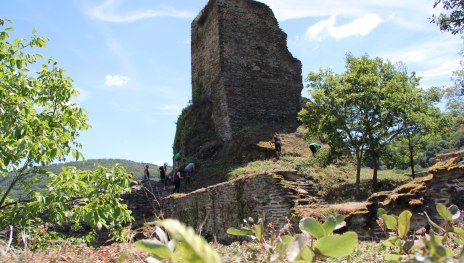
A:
(445, 185)
(216, 208)
(277, 194)
(241, 61)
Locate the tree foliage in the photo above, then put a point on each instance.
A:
(365, 108)
(453, 20)
(40, 124)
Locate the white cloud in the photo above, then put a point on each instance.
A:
(172, 109)
(106, 12)
(431, 60)
(409, 14)
(116, 80)
(360, 26)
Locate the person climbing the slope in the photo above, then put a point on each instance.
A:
(189, 169)
(277, 145)
(146, 173)
(314, 147)
(177, 176)
(177, 158)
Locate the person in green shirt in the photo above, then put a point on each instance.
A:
(314, 147)
(177, 158)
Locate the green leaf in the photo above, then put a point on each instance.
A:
(337, 245)
(457, 230)
(340, 221)
(295, 246)
(239, 232)
(329, 225)
(433, 223)
(306, 254)
(441, 209)
(198, 249)
(312, 226)
(259, 232)
(390, 221)
(391, 241)
(404, 220)
(381, 212)
(154, 247)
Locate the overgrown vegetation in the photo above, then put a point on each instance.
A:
(39, 125)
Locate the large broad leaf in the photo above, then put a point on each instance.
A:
(381, 212)
(239, 232)
(441, 209)
(340, 221)
(306, 254)
(329, 225)
(295, 246)
(312, 226)
(196, 248)
(155, 248)
(404, 220)
(390, 221)
(337, 245)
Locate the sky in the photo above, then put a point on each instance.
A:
(130, 59)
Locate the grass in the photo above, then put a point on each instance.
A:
(337, 181)
(366, 251)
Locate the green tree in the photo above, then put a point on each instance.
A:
(422, 121)
(39, 124)
(363, 109)
(453, 21)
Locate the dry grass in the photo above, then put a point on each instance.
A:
(66, 252)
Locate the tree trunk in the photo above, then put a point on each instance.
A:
(411, 157)
(358, 175)
(374, 175)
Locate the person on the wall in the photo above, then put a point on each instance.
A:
(177, 176)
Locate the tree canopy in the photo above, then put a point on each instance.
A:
(363, 109)
(40, 124)
(453, 21)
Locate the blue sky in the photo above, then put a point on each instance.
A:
(130, 59)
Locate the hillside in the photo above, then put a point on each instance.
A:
(335, 181)
(133, 167)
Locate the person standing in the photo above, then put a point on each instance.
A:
(146, 173)
(277, 145)
(163, 170)
(176, 179)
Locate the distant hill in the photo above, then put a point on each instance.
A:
(133, 167)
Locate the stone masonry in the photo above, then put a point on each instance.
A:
(240, 61)
(269, 195)
(279, 195)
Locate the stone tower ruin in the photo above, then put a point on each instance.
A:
(240, 61)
